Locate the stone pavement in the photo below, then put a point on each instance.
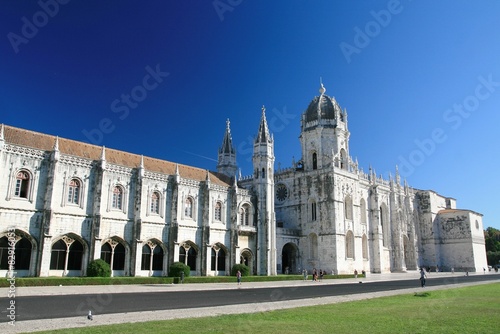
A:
(51, 324)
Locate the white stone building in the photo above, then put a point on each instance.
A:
(64, 203)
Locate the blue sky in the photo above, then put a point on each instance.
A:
(420, 81)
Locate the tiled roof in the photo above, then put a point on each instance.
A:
(41, 141)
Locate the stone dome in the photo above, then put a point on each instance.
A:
(321, 107)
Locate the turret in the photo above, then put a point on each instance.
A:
(226, 163)
(263, 164)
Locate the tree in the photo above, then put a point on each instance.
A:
(492, 243)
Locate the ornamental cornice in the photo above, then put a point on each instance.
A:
(25, 151)
(156, 176)
(190, 182)
(76, 161)
(119, 169)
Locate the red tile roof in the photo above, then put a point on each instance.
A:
(41, 141)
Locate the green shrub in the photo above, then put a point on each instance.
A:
(177, 268)
(98, 268)
(245, 271)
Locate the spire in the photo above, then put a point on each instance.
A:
(226, 163)
(227, 143)
(103, 153)
(56, 144)
(103, 157)
(141, 166)
(263, 135)
(177, 174)
(55, 153)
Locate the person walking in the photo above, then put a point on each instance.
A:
(423, 276)
(238, 277)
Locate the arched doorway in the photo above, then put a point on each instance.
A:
(289, 258)
(246, 258)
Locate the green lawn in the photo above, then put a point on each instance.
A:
(473, 309)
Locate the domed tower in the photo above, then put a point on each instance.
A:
(226, 163)
(324, 136)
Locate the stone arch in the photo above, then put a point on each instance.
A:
(116, 252)
(247, 258)
(188, 254)
(69, 255)
(27, 252)
(219, 261)
(154, 257)
(289, 258)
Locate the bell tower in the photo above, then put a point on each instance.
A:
(324, 136)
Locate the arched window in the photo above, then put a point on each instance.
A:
(343, 159)
(106, 253)
(58, 255)
(218, 211)
(155, 202)
(75, 256)
(218, 262)
(117, 202)
(22, 254)
(113, 253)
(154, 263)
(188, 258)
(245, 215)
(22, 184)
(74, 191)
(315, 160)
(66, 247)
(349, 245)
(263, 173)
(188, 207)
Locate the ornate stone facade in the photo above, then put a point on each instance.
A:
(69, 202)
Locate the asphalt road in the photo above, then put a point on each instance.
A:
(63, 306)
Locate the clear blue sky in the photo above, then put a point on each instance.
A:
(420, 81)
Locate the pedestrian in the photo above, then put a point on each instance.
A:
(423, 276)
(238, 277)
(355, 273)
(321, 273)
